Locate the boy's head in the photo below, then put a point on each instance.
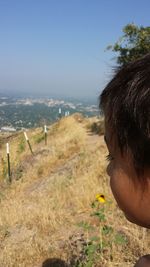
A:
(126, 105)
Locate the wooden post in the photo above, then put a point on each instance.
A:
(60, 113)
(27, 139)
(45, 134)
(8, 161)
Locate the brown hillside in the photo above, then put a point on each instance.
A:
(49, 211)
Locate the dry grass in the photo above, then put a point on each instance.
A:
(51, 203)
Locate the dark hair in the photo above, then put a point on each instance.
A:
(126, 104)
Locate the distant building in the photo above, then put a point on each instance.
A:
(8, 129)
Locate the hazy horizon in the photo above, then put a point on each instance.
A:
(83, 99)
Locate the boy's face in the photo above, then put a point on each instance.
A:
(134, 202)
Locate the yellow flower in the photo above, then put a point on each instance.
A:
(100, 198)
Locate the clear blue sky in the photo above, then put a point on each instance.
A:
(57, 47)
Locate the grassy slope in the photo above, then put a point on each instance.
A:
(46, 211)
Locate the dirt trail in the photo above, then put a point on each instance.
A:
(92, 141)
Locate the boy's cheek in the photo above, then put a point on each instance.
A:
(113, 186)
(113, 183)
(119, 197)
(117, 188)
(109, 169)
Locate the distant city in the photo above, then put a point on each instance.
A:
(22, 113)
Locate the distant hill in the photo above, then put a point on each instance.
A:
(33, 112)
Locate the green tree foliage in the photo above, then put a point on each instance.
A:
(134, 43)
